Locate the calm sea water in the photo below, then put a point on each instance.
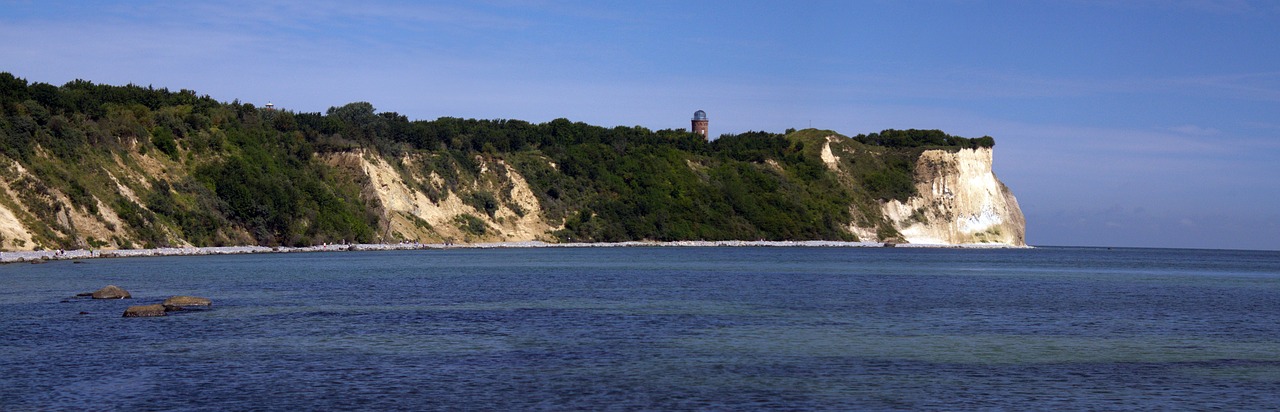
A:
(652, 328)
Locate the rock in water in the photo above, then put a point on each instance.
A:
(144, 311)
(111, 292)
(180, 302)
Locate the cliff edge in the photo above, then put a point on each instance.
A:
(959, 201)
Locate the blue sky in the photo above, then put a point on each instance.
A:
(1118, 123)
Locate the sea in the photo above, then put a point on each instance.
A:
(651, 328)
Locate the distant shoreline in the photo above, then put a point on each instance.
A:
(48, 255)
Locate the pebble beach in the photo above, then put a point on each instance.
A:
(47, 255)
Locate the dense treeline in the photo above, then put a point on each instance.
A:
(249, 172)
(254, 174)
(923, 138)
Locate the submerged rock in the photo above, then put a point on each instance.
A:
(111, 292)
(144, 311)
(181, 302)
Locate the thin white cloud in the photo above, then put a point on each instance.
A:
(308, 16)
(1263, 86)
(1191, 129)
(1165, 227)
(1223, 7)
(1215, 6)
(981, 84)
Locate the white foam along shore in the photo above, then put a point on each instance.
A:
(44, 255)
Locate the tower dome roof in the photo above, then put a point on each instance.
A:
(699, 115)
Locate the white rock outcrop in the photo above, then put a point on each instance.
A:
(960, 201)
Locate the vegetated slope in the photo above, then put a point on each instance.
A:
(98, 166)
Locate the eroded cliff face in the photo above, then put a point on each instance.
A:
(35, 213)
(407, 212)
(960, 201)
(411, 202)
(420, 197)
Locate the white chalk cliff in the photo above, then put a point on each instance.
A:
(959, 201)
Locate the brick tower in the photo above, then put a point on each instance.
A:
(700, 123)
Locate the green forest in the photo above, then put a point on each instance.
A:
(251, 175)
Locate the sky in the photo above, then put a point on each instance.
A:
(1147, 123)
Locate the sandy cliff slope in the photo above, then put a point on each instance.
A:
(407, 213)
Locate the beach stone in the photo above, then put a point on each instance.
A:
(111, 292)
(180, 302)
(144, 311)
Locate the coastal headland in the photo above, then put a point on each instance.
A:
(87, 166)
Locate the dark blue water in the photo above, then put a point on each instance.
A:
(652, 328)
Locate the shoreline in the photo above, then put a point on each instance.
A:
(49, 255)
